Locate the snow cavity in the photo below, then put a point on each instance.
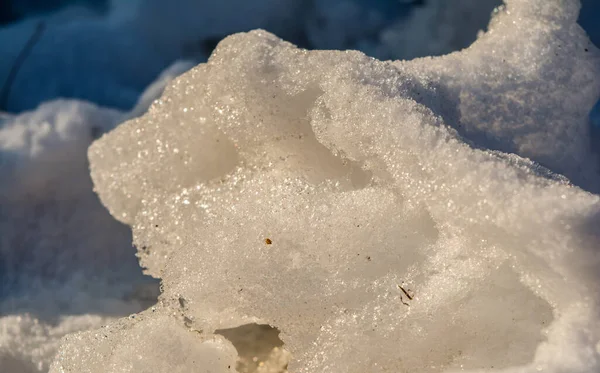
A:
(258, 348)
(421, 216)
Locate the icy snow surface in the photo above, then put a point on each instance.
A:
(384, 217)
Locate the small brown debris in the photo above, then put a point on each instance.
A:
(268, 241)
(403, 302)
(405, 292)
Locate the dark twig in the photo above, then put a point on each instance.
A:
(405, 292)
(33, 39)
(403, 302)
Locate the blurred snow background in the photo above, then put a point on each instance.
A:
(71, 70)
(107, 53)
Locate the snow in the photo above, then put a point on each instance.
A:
(28, 345)
(174, 349)
(382, 216)
(310, 191)
(429, 30)
(65, 264)
(110, 57)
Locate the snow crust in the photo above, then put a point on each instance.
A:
(383, 216)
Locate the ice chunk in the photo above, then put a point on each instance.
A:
(382, 216)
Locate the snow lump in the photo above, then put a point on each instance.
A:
(380, 216)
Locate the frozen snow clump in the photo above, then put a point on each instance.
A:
(382, 216)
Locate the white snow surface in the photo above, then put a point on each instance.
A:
(65, 264)
(384, 216)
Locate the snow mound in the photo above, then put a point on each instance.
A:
(403, 217)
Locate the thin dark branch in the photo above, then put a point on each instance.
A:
(33, 39)
(405, 292)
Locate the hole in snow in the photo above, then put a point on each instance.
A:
(257, 345)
